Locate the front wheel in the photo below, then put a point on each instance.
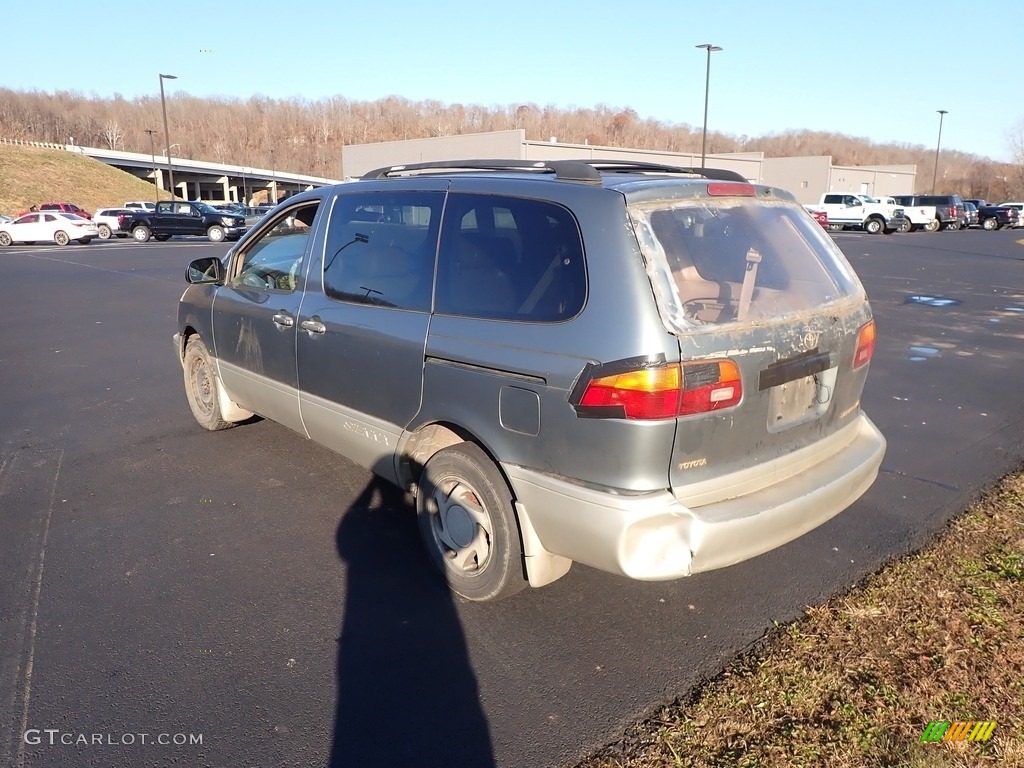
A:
(5, 239)
(905, 226)
(61, 238)
(873, 226)
(215, 233)
(141, 234)
(932, 226)
(104, 232)
(468, 525)
(201, 386)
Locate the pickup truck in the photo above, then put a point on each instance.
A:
(998, 216)
(176, 217)
(918, 216)
(850, 209)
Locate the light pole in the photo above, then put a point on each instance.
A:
(167, 136)
(152, 157)
(273, 172)
(707, 83)
(935, 173)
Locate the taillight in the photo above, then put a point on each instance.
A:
(865, 344)
(730, 189)
(660, 391)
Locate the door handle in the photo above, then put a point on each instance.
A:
(313, 326)
(283, 320)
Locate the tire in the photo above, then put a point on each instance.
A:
(216, 234)
(906, 226)
(953, 225)
(5, 239)
(201, 386)
(141, 234)
(835, 227)
(874, 226)
(61, 238)
(468, 525)
(932, 226)
(105, 232)
(162, 238)
(990, 224)
(85, 240)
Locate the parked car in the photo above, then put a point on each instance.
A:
(970, 214)
(48, 227)
(1020, 212)
(949, 209)
(142, 205)
(821, 217)
(5, 219)
(998, 216)
(651, 370)
(66, 208)
(183, 217)
(113, 222)
(979, 203)
(236, 208)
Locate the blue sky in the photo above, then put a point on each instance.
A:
(858, 68)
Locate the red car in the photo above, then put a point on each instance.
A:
(66, 208)
(821, 217)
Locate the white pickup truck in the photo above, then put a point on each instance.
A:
(918, 216)
(850, 209)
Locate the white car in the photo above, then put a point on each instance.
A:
(108, 221)
(1020, 211)
(141, 205)
(48, 227)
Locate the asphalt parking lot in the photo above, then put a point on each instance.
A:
(252, 599)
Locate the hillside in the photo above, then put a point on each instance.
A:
(303, 136)
(32, 175)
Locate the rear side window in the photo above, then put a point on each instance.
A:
(738, 260)
(381, 248)
(508, 258)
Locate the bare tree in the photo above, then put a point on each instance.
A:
(112, 134)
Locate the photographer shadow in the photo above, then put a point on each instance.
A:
(407, 694)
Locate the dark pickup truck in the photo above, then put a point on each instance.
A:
(177, 217)
(997, 216)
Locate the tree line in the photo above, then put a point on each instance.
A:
(303, 136)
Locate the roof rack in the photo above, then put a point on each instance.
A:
(587, 171)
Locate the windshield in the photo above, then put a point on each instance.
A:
(723, 260)
(207, 208)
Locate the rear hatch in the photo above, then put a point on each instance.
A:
(769, 317)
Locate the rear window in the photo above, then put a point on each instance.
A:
(733, 260)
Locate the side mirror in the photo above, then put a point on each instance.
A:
(208, 271)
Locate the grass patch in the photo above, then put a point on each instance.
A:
(936, 636)
(33, 175)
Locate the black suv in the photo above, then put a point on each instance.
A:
(652, 370)
(949, 209)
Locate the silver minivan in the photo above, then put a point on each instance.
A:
(654, 371)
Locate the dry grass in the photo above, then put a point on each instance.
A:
(32, 175)
(937, 636)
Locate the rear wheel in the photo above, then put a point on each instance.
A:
(5, 239)
(873, 226)
(162, 238)
(85, 240)
(61, 238)
(141, 234)
(215, 233)
(933, 225)
(468, 525)
(990, 224)
(954, 225)
(104, 232)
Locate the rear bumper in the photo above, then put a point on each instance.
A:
(653, 536)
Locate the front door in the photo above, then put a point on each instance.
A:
(255, 316)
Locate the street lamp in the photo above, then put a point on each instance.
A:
(273, 172)
(935, 173)
(707, 83)
(167, 136)
(152, 157)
